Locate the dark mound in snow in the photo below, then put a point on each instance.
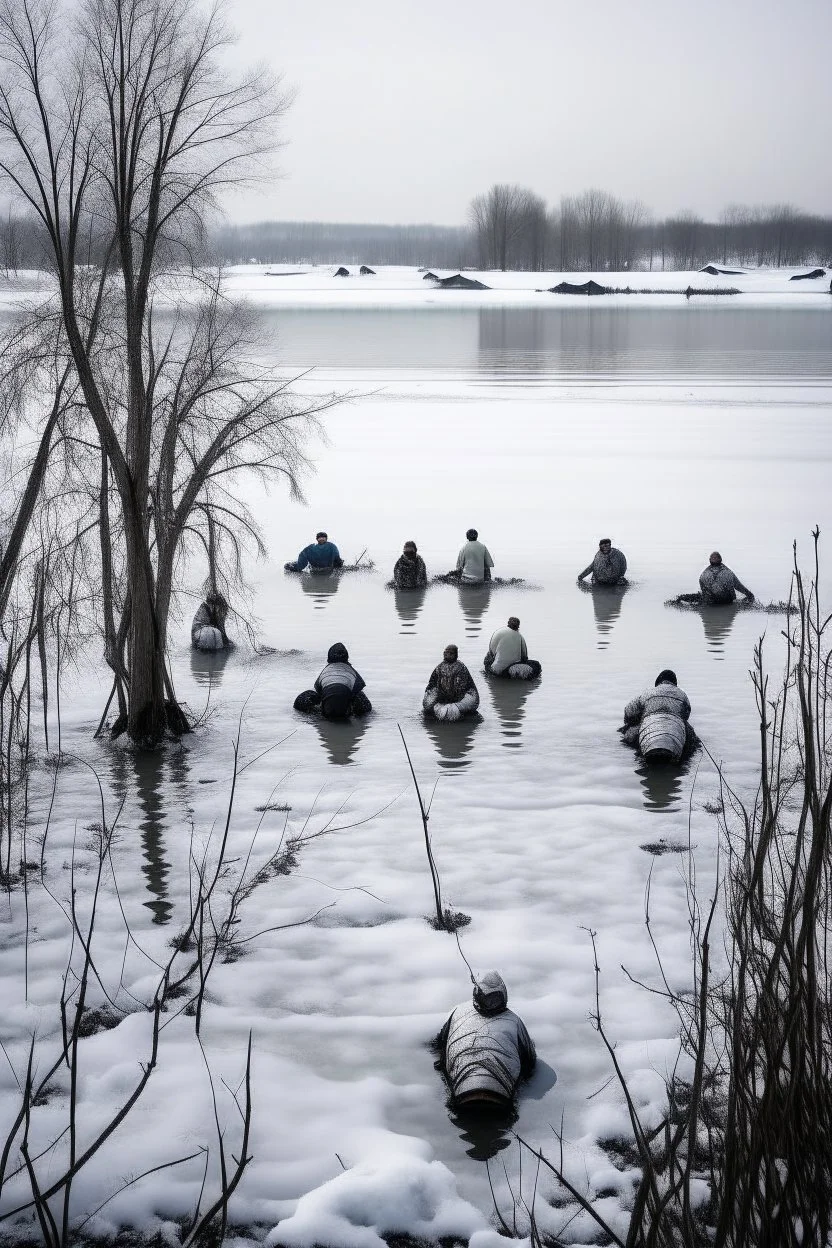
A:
(366, 271)
(802, 277)
(342, 272)
(715, 272)
(430, 277)
(458, 282)
(576, 288)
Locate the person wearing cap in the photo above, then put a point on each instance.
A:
(451, 693)
(322, 555)
(719, 585)
(507, 653)
(484, 1047)
(338, 690)
(409, 571)
(474, 562)
(608, 567)
(656, 721)
(208, 626)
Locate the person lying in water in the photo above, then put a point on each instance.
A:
(719, 585)
(474, 562)
(339, 689)
(656, 722)
(484, 1047)
(208, 627)
(321, 556)
(608, 567)
(507, 653)
(409, 571)
(451, 693)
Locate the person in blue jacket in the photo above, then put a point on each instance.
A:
(322, 555)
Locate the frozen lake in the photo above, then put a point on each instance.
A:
(674, 432)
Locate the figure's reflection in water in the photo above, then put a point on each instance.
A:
(321, 585)
(474, 601)
(486, 1129)
(509, 698)
(606, 603)
(662, 784)
(453, 741)
(150, 775)
(340, 739)
(409, 603)
(718, 622)
(207, 666)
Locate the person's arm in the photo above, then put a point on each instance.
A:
(460, 560)
(524, 651)
(358, 683)
(421, 572)
(585, 572)
(623, 562)
(528, 1054)
(318, 687)
(686, 709)
(739, 586)
(489, 562)
(396, 566)
(337, 561)
(433, 682)
(303, 559)
(634, 710)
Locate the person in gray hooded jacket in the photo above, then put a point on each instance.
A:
(656, 721)
(484, 1047)
(719, 585)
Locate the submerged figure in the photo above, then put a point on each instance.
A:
(474, 562)
(656, 722)
(507, 654)
(208, 627)
(484, 1047)
(321, 556)
(719, 585)
(339, 689)
(608, 567)
(409, 571)
(451, 693)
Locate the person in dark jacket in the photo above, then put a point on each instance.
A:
(719, 585)
(409, 571)
(208, 626)
(321, 556)
(608, 567)
(339, 689)
(484, 1047)
(656, 722)
(451, 693)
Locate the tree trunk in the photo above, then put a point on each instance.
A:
(147, 718)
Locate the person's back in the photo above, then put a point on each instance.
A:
(409, 571)
(208, 625)
(338, 684)
(319, 555)
(474, 562)
(657, 720)
(485, 1047)
(719, 585)
(508, 647)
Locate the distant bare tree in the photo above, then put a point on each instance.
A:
(509, 226)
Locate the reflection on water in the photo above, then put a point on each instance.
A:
(718, 622)
(409, 603)
(340, 738)
(149, 774)
(453, 741)
(486, 1129)
(321, 585)
(606, 603)
(207, 666)
(474, 601)
(509, 698)
(662, 784)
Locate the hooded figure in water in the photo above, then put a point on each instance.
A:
(208, 627)
(656, 722)
(451, 693)
(719, 585)
(608, 567)
(338, 690)
(484, 1048)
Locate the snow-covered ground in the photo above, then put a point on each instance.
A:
(539, 820)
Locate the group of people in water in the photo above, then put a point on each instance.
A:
(484, 1049)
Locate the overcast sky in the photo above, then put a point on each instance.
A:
(405, 109)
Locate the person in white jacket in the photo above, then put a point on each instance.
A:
(508, 655)
(474, 562)
(484, 1047)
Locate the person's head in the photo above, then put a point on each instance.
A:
(337, 653)
(605, 545)
(513, 622)
(410, 550)
(451, 653)
(472, 535)
(666, 677)
(490, 993)
(320, 538)
(217, 605)
(714, 558)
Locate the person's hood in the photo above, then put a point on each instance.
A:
(490, 993)
(337, 653)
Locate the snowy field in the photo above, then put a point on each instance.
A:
(543, 824)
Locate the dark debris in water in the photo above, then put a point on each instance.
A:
(693, 602)
(452, 920)
(95, 1019)
(658, 848)
(281, 806)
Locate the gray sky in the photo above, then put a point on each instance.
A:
(407, 108)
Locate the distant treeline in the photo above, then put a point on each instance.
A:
(511, 227)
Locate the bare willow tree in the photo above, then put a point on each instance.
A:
(119, 124)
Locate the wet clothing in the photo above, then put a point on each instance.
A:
(410, 573)
(319, 555)
(506, 646)
(451, 692)
(719, 585)
(208, 630)
(310, 700)
(474, 563)
(485, 1053)
(657, 720)
(339, 687)
(606, 569)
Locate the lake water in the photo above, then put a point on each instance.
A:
(674, 432)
